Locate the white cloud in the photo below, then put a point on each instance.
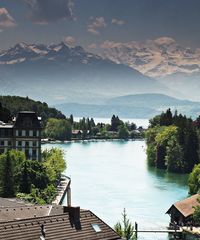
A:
(118, 22)
(6, 20)
(69, 40)
(97, 24)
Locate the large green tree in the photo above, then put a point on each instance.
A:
(59, 129)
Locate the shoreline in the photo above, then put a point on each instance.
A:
(90, 140)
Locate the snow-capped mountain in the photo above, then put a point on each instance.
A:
(64, 73)
(155, 58)
(55, 52)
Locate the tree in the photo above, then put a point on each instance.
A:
(5, 115)
(123, 132)
(194, 180)
(115, 123)
(174, 156)
(59, 129)
(25, 184)
(125, 229)
(71, 119)
(54, 162)
(7, 176)
(196, 215)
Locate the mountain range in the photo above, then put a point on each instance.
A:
(132, 106)
(142, 74)
(155, 58)
(175, 66)
(60, 73)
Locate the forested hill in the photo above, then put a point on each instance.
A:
(11, 105)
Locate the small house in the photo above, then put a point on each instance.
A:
(182, 212)
(77, 134)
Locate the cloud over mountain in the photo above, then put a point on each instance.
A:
(6, 20)
(45, 11)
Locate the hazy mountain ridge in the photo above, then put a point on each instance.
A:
(58, 70)
(133, 106)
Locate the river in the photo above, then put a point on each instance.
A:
(108, 176)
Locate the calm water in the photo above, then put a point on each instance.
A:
(108, 176)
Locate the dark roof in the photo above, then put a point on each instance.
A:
(27, 119)
(186, 206)
(58, 227)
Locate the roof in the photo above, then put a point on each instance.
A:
(27, 119)
(6, 125)
(24, 212)
(77, 131)
(185, 207)
(58, 227)
(12, 202)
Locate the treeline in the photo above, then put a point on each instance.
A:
(33, 181)
(11, 105)
(86, 128)
(173, 142)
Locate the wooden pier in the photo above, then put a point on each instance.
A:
(178, 232)
(159, 231)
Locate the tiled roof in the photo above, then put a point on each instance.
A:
(12, 202)
(185, 207)
(24, 212)
(58, 227)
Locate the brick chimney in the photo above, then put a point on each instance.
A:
(74, 216)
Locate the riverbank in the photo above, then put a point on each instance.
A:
(47, 141)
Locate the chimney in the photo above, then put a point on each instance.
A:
(74, 216)
(69, 196)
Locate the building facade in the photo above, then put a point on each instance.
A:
(23, 134)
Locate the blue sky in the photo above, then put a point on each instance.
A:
(86, 22)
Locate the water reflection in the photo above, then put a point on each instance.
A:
(171, 178)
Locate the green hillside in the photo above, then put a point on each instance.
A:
(11, 105)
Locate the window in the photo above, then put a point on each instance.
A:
(34, 143)
(6, 132)
(34, 154)
(2, 143)
(96, 227)
(26, 144)
(9, 143)
(19, 143)
(27, 133)
(27, 154)
(20, 133)
(34, 133)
